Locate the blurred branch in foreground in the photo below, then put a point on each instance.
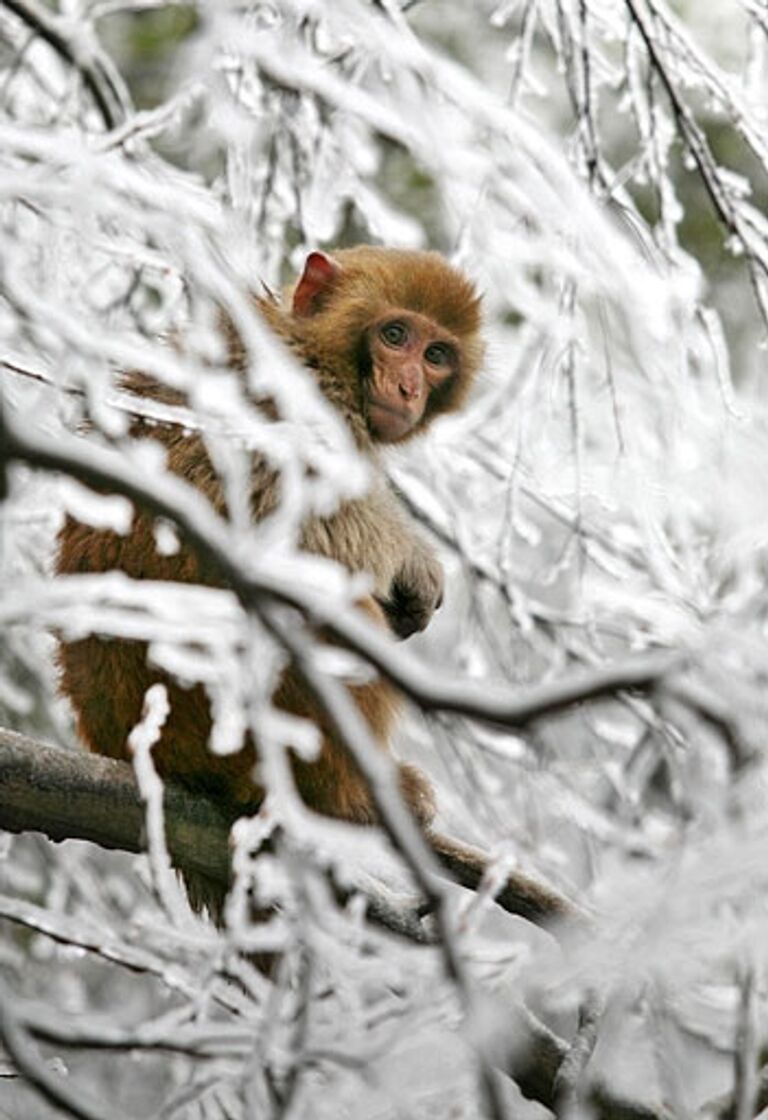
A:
(74, 795)
(209, 536)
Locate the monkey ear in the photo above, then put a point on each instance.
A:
(314, 284)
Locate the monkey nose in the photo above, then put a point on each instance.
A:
(409, 389)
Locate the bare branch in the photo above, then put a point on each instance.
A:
(520, 895)
(72, 795)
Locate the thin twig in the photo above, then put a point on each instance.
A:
(75, 1100)
(745, 1057)
(569, 1091)
(401, 829)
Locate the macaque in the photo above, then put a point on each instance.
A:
(393, 340)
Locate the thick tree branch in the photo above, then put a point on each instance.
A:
(71, 795)
(78, 796)
(74, 795)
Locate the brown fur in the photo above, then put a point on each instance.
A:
(374, 282)
(106, 679)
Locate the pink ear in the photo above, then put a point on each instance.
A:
(315, 282)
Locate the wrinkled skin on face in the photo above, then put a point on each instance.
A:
(393, 335)
(410, 357)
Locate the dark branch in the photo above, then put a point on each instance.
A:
(71, 795)
(520, 894)
(211, 539)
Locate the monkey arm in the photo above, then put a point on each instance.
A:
(415, 592)
(375, 535)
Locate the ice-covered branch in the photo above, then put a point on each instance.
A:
(534, 1062)
(68, 794)
(31, 1063)
(210, 536)
(77, 45)
(740, 220)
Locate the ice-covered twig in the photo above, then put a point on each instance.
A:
(81, 51)
(56, 1089)
(209, 535)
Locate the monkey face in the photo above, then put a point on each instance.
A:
(393, 335)
(410, 357)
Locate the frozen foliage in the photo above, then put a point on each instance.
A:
(600, 169)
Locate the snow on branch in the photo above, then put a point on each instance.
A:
(74, 795)
(77, 45)
(209, 535)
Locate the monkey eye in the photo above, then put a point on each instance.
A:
(438, 354)
(394, 334)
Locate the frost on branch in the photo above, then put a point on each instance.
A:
(599, 169)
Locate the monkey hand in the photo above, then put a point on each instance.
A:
(415, 593)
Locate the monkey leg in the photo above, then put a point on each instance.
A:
(332, 784)
(106, 681)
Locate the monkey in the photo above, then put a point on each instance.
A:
(393, 340)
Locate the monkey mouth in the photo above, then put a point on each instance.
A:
(388, 422)
(390, 408)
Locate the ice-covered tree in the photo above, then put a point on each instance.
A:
(590, 698)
